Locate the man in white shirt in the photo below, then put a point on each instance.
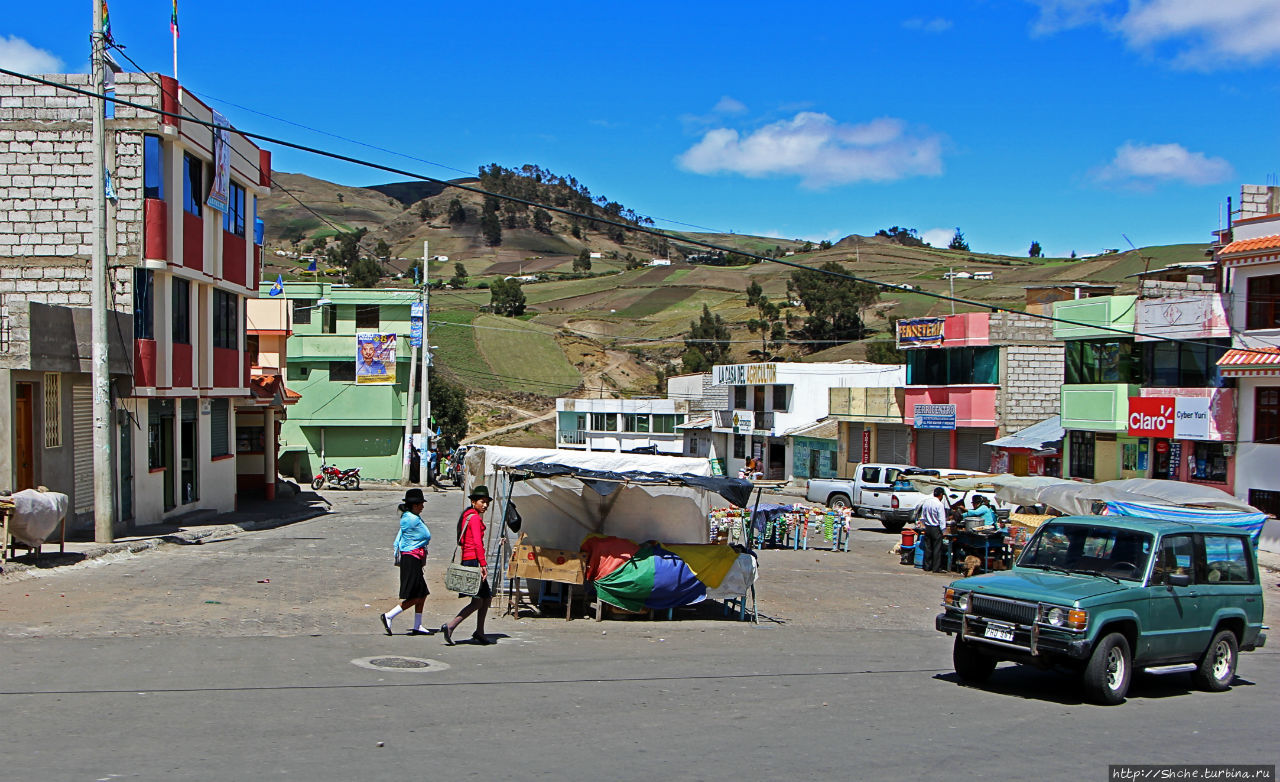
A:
(933, 517)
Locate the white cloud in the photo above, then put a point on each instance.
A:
(934, 25)
(18, 55)
(1195, 33)
(938, 237)
(728, 105)
(1144, 165)
(819, 150)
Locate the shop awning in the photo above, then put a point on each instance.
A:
(1038, 436)
(822, 429)
(1242, 362)
(703, 422)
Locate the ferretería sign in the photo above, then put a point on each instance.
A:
(746, 374)
(920, 332)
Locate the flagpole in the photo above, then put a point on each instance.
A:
(173, 27)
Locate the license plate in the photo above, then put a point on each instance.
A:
(999, 632)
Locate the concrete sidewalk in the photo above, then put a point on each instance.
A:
(252, 515)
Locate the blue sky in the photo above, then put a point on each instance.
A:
(1070, 122)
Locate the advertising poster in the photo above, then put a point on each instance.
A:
(375, 358)
(220, 188)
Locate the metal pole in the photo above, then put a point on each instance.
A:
(104, 483)
(408, 421)
(424, 405)
(951, 273)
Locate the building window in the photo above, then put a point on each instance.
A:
(192, 183)
(252, 349)
(181, 311)
(635, 422)
(780, 398)
(367, 316)
(1209, 463)
(1263, 311)
(152, 167)
(1082, 447)
(1265, 500)
(143, 306)
(739, 397)
(52, 410)
(329, 319)
(219, 439)
(664, 423)
(251, 439)
(226, 320)
(302, 309)
(342, 371)
(1102, 361)
(297, 372)
(1185, 365)
(739, 446)
(1266, 416)
(233, 218)
(953, 366)
(604, 422)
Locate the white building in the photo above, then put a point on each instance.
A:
(621, 425)
(768, 400)
(1251, 260)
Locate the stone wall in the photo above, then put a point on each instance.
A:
(1030, 383)
(1258, 200)
(1169, 289)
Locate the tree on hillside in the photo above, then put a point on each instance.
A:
(768, 322)
(825, 244)
(457, 215)
(347, 249)
(382, 250)
(583, 262)
(1035, 251)
(834, 304)
(449, 409)
(884, 351)
(707, 343)
(958, 242)
(459, 278)
(506, 298)
(364, 273)
(424, 210)
(293, 234)
(318, 244)
(490, 225)
(542, 221)
(907, 237)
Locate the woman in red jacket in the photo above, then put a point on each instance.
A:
(471, 538)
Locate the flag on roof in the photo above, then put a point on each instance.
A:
(278, 288)
(173, 20)
(311, 266)
(106, 23)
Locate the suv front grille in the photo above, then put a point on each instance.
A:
(1002, 609)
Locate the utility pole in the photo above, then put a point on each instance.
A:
(408, 420)
(424, 406)
(951, 276)
(104, 477)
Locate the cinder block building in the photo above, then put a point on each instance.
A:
(183, 253)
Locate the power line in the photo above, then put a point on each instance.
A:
(600, 220)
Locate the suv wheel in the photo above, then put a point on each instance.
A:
(1218, 666)
(971, 664)
(1110, 668)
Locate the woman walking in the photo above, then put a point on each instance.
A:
(411, 554)
(471, 539)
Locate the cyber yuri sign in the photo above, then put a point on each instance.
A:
(1179, 418)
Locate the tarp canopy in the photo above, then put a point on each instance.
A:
(1038, 436)
(565, 495)
(1075, 498)
(1241, 520)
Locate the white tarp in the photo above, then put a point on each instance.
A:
(1077, 499)
(36, 514)
(560, 511)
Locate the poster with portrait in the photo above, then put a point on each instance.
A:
(375, 358)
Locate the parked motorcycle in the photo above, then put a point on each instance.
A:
(336, 478)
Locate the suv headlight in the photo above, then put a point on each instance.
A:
(1067, 618)
(1056, 617)
(956, 598)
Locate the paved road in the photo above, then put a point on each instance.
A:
(178, 664)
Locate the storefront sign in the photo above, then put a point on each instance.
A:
(920, 332)
(1175, 459)
(415, 324)
(934, 416)
(746, 374)
(1151, 416)
(866, 446)
(1191, 418)
(744, 421)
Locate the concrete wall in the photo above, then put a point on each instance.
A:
(1030, 378)
(1258, 200)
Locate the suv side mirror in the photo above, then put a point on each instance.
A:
(1178, 580)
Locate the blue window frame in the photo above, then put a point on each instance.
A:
(233, 218)
(152, 167)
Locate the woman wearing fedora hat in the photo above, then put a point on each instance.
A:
(471, 539)
(411, 554)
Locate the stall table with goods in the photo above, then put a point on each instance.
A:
(632, 529)
(783, 526)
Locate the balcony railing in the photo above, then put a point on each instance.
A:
(573, 437)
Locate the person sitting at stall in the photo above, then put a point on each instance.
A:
(982, 511)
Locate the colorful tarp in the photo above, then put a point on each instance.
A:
(1249, 522)
(653, 578)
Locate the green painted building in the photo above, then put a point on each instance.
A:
(339, 420)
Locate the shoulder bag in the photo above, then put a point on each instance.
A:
(463, 579)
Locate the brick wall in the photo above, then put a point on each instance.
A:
(52, 281)
(1030, 383)
(1013, 328)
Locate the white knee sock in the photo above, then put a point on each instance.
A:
(417, 621)
(393, 613)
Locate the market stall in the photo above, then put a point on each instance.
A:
(659, 504)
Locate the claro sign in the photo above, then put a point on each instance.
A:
(1151, 416)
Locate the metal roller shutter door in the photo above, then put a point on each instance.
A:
(892, 444)
(853, 444)
(971, 453)
(82, 446)
(933, 447)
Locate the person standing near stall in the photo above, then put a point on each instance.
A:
(471, 539)
(411, 555)
(933, 517)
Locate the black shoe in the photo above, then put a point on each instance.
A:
(448, 634)
(483, 640)
(420, 631)
(386, 623)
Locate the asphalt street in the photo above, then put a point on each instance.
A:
(260, 655)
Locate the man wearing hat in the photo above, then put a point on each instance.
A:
(410, 556)
(471, 539)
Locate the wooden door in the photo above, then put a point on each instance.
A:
(24, 438)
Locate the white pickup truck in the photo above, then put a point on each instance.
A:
(868, 489)
(902, 502)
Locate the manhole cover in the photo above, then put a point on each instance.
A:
(400, 664)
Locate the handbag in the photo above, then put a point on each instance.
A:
(463, 579)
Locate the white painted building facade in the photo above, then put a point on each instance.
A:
(622, 425)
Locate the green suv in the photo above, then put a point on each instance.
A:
(1100, 595)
